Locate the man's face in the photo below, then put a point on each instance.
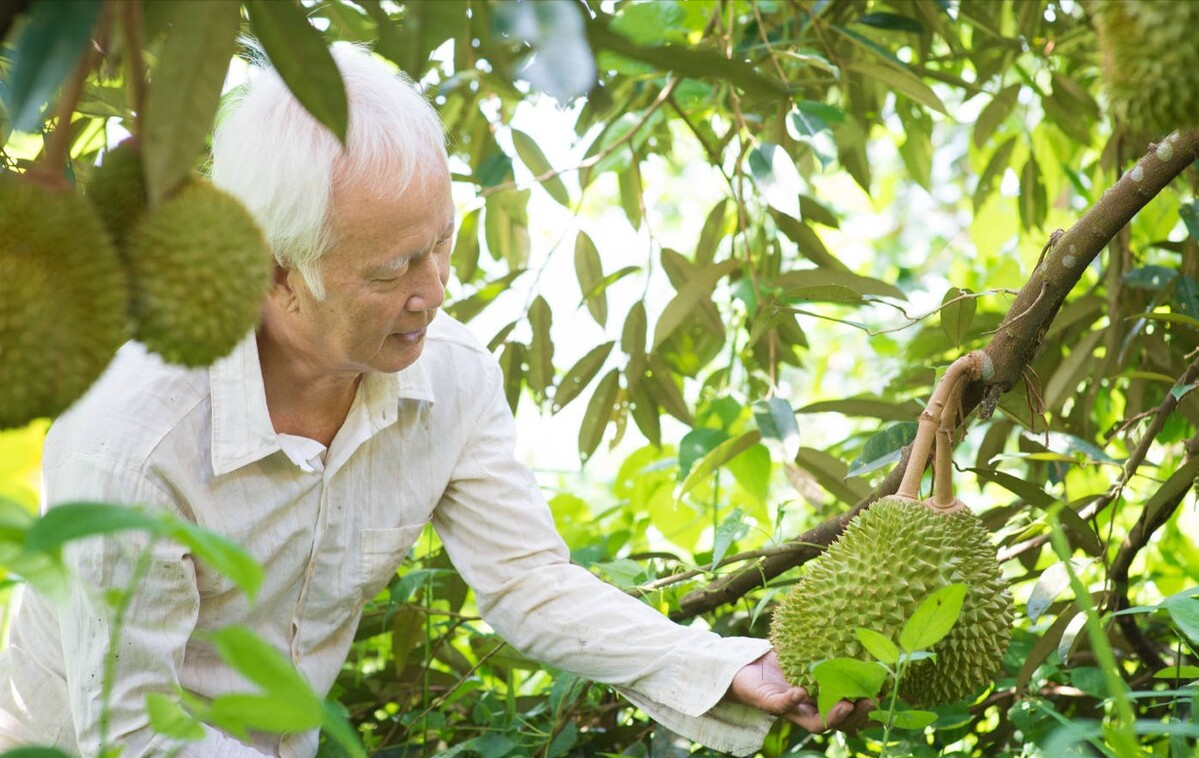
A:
(384, 274)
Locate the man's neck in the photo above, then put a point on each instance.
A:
(302, 400)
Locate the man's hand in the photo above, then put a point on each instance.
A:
(761, 685)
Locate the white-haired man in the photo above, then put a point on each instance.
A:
(324, 443)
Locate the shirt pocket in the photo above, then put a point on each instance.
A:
(383, 550)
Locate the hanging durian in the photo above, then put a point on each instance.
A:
(889, 559)
(63, 299)
(1150, 53)
(200, 268)
(118, 190)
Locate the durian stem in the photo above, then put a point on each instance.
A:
(134, 61)
(58, 145)
(968, 367)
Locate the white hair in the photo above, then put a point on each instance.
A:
(283, 164)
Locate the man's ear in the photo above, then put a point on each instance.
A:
(283, 288)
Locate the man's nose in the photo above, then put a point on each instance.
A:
(429, 289)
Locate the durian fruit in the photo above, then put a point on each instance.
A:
(888, 560)
(1150, 55)
(200, 268)
(63, 299)
(118, 190)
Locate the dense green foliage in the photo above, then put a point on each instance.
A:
(779, 219)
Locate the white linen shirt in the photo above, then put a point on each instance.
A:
(433, 442)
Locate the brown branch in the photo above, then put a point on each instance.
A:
(1010, 350)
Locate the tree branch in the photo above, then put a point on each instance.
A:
(1010, 350)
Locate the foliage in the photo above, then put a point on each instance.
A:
(781, 219)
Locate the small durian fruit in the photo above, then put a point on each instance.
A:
(63, 299)
(888, 560)
(200, 269)
(118, 190)
(1150, 54)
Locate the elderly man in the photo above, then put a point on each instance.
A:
(324, 443)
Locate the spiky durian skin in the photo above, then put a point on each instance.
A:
(118, 190)
(200, 267)
(886, 563)
(1150, 56)
(63, 300)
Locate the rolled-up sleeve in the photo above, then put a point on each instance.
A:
(110, 667)
(500, 535)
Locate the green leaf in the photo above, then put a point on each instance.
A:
(1052, 582)
(883, 448)
(580, 375)
(1033, 204)
(599, 413)
(776, 177)
(71, 521)
(996, 166)
(933, 618)
(720, 455)
(726, 533)
(831, 284)
(809, 243)
(689, 296)
(780, 431)
(913, 720)
(878, 645)
(541, 349)
(713, 231)
(185, 91)
(629, 182)
(956, 317)
(1178, 672)
(265, 666)
(891, 22)
(562, 66)
(219, 552)
(994, 114)
(34, 752)
(53, 38)
(531, 155)
(589, 270)
(846, 679)
(301, 56)
(650, 23)
(1190, 217)
(169, 719)
(275, 712)
(335, 724)
(1184, 612)
(901, 80)
(465, 256)
(697, 443)
(691, 62)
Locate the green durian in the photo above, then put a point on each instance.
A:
(1150, 53)
(63, 299)
(200, 268)
(888, 560)
(118, 190)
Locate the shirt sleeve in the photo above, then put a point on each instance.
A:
(144, 653)
(500, 535)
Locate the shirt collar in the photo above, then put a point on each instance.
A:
(241, 424)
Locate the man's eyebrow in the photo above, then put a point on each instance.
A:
(400, 260)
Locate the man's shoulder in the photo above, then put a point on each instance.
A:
(131, 408)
